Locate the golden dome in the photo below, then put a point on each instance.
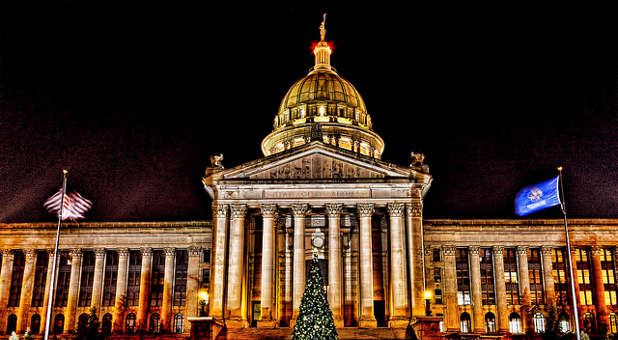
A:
(323, 106)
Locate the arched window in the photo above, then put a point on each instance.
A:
(588, 322)
(490, 322)
(464, 322)
(82, 323)
(129, 325)
(106, 324)
(514, 323)
(58, 324)
(179, 323)
(11, 324)
(613, 323)
(563, 323)
(539, 322)
(154, 323)
(35, 324)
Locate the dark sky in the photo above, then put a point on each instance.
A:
(134, 97)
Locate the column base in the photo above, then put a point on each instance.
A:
(267, 324)
(236, 323)
(367, 323)
(339, 323)
(398, 322)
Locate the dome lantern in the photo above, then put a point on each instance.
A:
(322, 50)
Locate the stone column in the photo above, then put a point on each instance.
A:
(237, 316)
(268, 266)
(300, 210)
(289, 289)
(76, 267)
(334, 262)
(475, 285)
(415, 233)
(367, 318)
(5, 280)
(144, 289)
(121, 289)
(548, 279)
(50, 264)
(524, 285)
(97, 281)
(599, 290)
(27, 284)
(399, 290)
(168, 284)
(217, 286)
(576, 284)
(503, 317)
(193, 274)
(450, 283)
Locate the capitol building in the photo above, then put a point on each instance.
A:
(321, 188)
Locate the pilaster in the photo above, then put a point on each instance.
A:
(193, 273)
(475, 283)
(144, 288)
(121, 289)
(97, 282)
(503, 318)
(76, 266)
(450, 283)
(599, 290)
(548, 279)
(168, 283)
(27, 285)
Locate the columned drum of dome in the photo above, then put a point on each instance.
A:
(323, 106)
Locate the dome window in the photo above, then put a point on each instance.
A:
(322, 110)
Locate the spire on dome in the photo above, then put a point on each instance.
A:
(322, 51)
(323, 27)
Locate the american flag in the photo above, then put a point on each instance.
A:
(75, 205)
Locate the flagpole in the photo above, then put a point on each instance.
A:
(50, 297)
(570, 261)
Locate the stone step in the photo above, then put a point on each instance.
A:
(285, 333)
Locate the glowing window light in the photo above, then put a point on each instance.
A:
(322, 110)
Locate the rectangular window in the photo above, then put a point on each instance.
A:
(40, 278)
(158, 274)
(87, 279)
(583, 276)
(463, 276)
(609, 276)
(437, 275)
(110, 278)
(436, 255)
(19, 261)
(488, 294)
(510, 276)
(206, 275)
(206, 256)
(134, 278)
(64, 276)
(559, 274)
(535, 276)
(180, 284)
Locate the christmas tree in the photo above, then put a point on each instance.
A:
(315, 320)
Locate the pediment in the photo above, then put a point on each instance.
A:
(316, 161)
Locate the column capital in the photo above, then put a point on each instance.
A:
(146, 251)
(30, 254)
(169, 251)
(123, 252)
(415, 209)
(334, 209)
(546, 250)
(497, 250)
(596, 250)
(99, 252)
(522, 250)
(269, 210)
(396, 209)
(615, 251)
(365, 209)
(219, 210)
(7, 252)
(449, 250)
(50, 252)
(238, 211)
(428, 251)
(76, 253)
(195, 251)
(300, 209)
(474, 250)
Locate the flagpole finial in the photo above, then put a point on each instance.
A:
(65, 171)
(559, 168)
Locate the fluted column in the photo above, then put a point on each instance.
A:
(217, 288)
(50, 264)
(237, 315)
(268, 265)
(399, 289)
(599, 290)
(503, 318)
(5, 279)
(97, 285)
(475, 283)
(367, 318)
(76, 267)
(144, 288)
(334, 262)
(300, 210)
(193, 273)
(524, 284)
(450, 282)
(548, 279)
(27, 284)
(121, 288)
(168, 284)
(415, 233)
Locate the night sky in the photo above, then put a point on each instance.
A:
(134, 97)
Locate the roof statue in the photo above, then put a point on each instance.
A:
(323, 27)
(417, 162)
(215, 161)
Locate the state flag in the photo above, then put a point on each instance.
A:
(537, 197)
